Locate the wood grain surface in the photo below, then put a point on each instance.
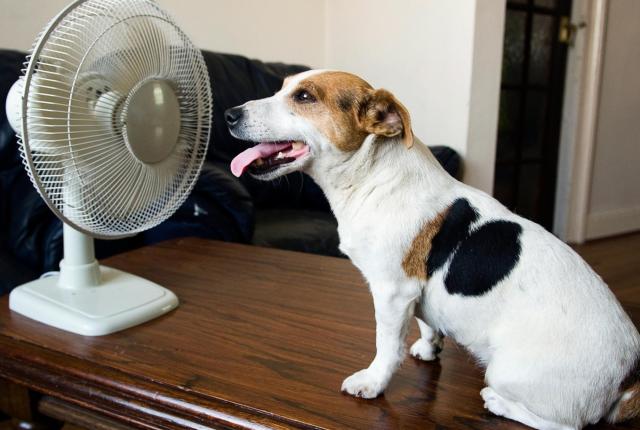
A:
(263, 338)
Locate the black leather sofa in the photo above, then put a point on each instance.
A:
(291, 213)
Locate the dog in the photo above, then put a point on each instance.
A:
(559, 350)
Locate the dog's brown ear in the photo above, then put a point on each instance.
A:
(382, 114)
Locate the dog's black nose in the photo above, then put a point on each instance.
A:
(233, 115)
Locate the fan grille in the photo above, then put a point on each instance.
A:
(78, 81)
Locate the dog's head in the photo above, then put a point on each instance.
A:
(316, 114)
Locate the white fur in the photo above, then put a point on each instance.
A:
(555, 341)
(428, 345)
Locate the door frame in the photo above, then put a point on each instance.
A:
(579, 121)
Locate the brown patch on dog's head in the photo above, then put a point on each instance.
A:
(414, 262)
(346, 109)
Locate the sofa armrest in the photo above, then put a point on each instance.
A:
(448, 158)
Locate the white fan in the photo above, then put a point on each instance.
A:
(113, 114)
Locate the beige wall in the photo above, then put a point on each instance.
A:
(441, 58)
(272, 30)
(614, 205)
(484, 105)
(22, 20)
(268, 30)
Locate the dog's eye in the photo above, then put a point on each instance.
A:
(303, 96)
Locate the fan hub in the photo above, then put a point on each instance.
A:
(151, 118)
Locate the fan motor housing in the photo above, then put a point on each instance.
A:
(151, 121)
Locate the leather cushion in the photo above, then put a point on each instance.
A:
(297, 230)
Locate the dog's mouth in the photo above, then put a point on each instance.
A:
(266, 157)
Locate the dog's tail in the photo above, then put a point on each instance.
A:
(627, 406)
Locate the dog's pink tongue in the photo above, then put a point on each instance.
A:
(242, 161)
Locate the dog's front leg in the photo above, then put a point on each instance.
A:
(394, 307)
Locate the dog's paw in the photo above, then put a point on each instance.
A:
(363, 384)
(424, 350)
(494, 403)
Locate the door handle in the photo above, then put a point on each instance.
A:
(567, 30)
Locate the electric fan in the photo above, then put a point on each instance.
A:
(113, 115)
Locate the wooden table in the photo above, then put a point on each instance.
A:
(263, 338)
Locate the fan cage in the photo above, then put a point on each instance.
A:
(83, 68)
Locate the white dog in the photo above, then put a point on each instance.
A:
(559, 351)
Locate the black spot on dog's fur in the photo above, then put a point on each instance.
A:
(454, 229)
(481, 258)
(484, 258)
(345, 101)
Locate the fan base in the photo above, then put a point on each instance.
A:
(122, 300)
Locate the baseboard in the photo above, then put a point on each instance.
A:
(609, 223)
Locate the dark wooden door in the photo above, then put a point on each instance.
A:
(533, 71)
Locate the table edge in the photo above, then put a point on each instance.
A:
(143, 403)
